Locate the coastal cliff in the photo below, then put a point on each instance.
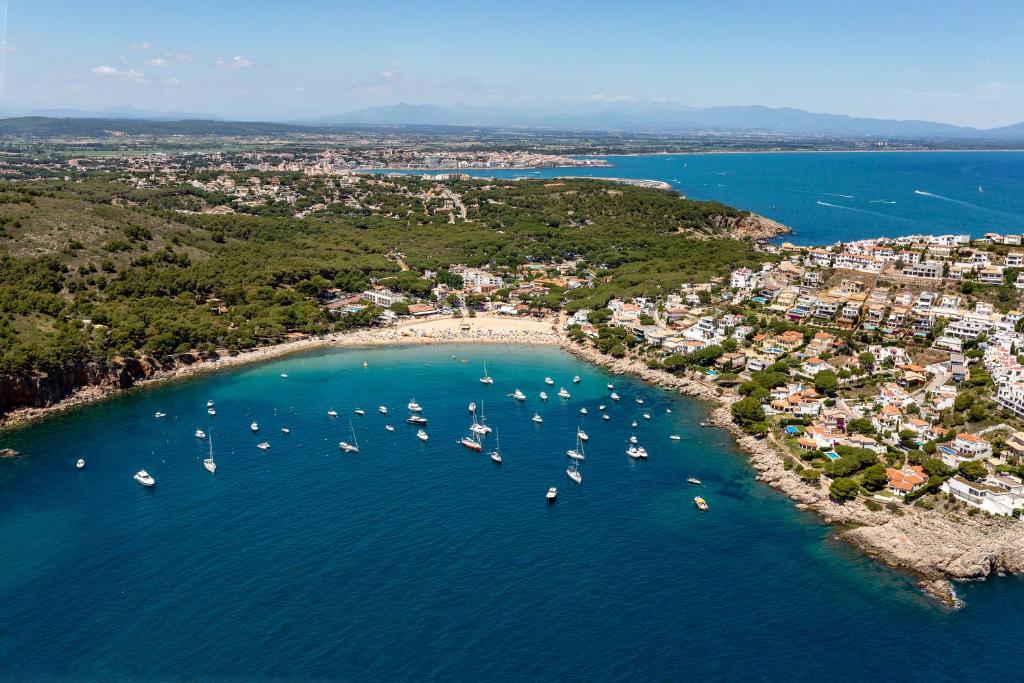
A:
(935, 545)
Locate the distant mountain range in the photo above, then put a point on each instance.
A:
(667, 117)
(651, 118)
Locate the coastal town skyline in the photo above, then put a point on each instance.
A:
(912, 61)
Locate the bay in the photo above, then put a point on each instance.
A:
(412, 561)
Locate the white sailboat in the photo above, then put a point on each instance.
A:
(495, 455)
(472, 407)
(573, 472)
(486, 379)
(577, 452)
(208, 463)
(582, 435)
(350, 447)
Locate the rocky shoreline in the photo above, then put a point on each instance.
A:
(935, 546)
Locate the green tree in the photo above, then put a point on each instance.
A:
(860, 425)
(825, 382)
(747, 411)
(972, 469)
(874, 478)
(842, 489)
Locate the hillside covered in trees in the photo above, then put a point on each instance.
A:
(105, 267)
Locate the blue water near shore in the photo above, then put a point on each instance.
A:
(413, 561)
(829, 197)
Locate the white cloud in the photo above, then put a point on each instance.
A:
(140, 46)
(235, 63)
(130, 74)
(994, 87)
(157, 61)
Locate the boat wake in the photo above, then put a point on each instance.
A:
(836, 194)
(835, 206)
(960, 202)
(935, 196)
(881, 201)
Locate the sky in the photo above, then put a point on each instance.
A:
(956, 62)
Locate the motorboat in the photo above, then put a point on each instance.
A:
(254, 427)
(472, 407)
(383, 410)
(668, 410)
(389, 428)
(350, 447)
(284, 375)
(639, 401)
(543, 395)
(416, 420)
(285, 430)
(647, 416)
(694, 480)
(633, 440)
(211, 412)
(332, 413)
(583, 411)
(537, 418)
(701, 504)
(550, 382)
(422, 435)
(145, 478)
(414, 407)
(601, 407)
(360, 412)
(200, 434)
(605, 417)
(562, 393)
(80, 464)
(636, 452)
(582, 435)
(552, 494)
(518, 395)
(705, 424)
(614, 396)
(633, 424)
(676, 437)
(158, 415)
(263, 445)
(576, 379)
(209, 404)
(611, 387)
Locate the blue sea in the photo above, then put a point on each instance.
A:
(412, 561)
(842, 196)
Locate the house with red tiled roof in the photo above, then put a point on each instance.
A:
(907, 480)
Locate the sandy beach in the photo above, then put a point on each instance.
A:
(447, 330)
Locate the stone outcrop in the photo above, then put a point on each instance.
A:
(751, 226)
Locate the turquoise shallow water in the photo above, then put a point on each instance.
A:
(828, 197)
(417, 562)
